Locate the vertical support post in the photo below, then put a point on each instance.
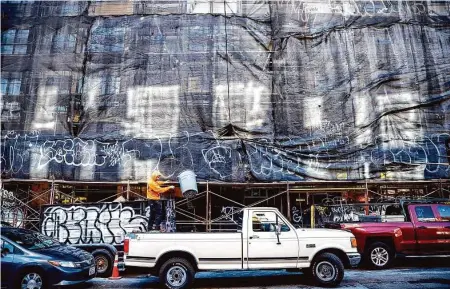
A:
(128, 190)
(366, 200)
(209, 214)
(288, 203)
(440, 188)
(207, 206)
(52, 191)
(313, 219)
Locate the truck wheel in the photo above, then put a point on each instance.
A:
(177, 273)
(379, 255)
(104, 262)
(327, 270)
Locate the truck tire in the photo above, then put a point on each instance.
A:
(326, 270)
(177, 273)
(104, 262)
(379, 255)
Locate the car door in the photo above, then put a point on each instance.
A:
(443, 217)
(428, 230)
(7, 260)
(266, 248)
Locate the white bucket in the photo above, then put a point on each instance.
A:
(188, 183)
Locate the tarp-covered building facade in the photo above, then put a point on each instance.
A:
(235, 90)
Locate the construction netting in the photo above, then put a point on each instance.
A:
(235, 90)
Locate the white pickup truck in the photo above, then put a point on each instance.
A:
(266, 240)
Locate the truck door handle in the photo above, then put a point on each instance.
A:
(254, 237)
(421, 227)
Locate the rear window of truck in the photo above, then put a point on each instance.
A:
(444, 212)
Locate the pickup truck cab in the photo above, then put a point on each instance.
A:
(425, 232)
(264, 240)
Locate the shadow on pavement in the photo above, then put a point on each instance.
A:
(205, 281)
(421, 262)
(252, 281)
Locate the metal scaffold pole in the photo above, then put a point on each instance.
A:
(288, 203)
(207, 207)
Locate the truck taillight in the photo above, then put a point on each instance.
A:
(126, 246)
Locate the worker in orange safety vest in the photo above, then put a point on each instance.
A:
(154, 191)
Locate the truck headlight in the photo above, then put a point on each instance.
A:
(66, 264)
(353, 242)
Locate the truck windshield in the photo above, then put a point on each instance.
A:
(30, 240)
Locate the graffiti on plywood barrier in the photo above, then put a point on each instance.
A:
(98, 222)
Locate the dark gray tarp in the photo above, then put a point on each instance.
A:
(235, 90)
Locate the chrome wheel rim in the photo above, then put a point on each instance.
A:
(101, 262)
(176, 276)
(325, 271)
(379, 256)
(31, 281)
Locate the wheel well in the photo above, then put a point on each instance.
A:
(338, 252)
(176, 254)
(104, 252)
(387, 240)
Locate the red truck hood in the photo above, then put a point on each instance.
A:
(370, 225)
(376, 228)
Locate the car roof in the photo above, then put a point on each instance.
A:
(16, 230)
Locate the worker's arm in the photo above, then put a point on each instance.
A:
(160, 190)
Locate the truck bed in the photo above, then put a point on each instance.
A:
(209, 248)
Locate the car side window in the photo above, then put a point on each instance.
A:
(267, 221)
(7, 247)
(425, 214)
(444, 212)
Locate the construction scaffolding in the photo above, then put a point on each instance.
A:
(217, 206)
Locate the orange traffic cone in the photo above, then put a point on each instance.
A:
(115, 273)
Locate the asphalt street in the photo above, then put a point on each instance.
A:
(411, 274)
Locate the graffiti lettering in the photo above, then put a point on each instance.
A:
(102, 223)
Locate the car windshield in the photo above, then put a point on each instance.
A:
(30, 240)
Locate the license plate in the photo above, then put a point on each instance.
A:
(92, 270)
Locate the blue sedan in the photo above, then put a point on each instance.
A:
(31, 260)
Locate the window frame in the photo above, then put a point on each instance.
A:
(16, 42)
(278, 220)
(14, 248)
(110, 83)
(68, 46)
(10, 81)
(425, 220)
(445, 218)
(115, 35)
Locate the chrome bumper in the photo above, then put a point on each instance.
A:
(354, 259)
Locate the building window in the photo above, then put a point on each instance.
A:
(110, 84)
(65, 81)
(10, 111)
(198, 38)
(63, 42)
(15, 41)
(71, 8)
(108, 40)
(11, 84)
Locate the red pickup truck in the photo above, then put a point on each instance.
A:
(425, 232)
